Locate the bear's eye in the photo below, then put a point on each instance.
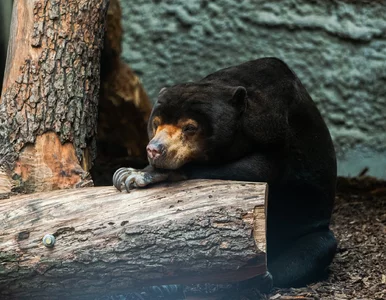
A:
(190, 128)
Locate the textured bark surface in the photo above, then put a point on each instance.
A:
(108, 242)
(5, 183)
(51, 85)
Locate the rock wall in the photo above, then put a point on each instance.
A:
(337, 48)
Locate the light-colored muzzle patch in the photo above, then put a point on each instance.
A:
(178, 143)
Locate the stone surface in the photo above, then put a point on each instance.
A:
(337, 48)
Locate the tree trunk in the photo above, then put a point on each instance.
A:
(109, 242)
(124, 104)
(123, 109)
(48, 109)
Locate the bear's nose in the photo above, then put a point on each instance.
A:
(154, 150)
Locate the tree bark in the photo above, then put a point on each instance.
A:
(48, 109)
(109, 242)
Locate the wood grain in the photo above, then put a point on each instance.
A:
(107, 241)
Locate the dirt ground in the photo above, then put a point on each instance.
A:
(359, 268)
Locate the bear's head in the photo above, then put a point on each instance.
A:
(191, 122)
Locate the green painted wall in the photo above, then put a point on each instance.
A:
(337, 48)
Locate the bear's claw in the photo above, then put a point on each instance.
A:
(131, 178)
(120, 176)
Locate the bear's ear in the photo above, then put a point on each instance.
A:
(239, 97)
(163, 90)
(159, 98)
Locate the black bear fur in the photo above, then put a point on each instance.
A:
(258, 123)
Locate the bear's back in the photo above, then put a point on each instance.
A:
(306, 189)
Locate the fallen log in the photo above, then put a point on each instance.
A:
(106, 242)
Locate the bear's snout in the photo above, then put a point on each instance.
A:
(155, 150)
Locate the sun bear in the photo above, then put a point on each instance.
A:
(252, 122)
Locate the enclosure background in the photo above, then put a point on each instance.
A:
(337, 48)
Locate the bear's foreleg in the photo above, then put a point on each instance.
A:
(304, 261)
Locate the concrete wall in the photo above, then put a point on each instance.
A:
(337, 48)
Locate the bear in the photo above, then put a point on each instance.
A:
(252, 122)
